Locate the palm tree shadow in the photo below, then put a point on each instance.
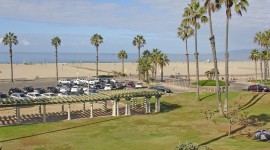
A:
(207, 96)
(253, 101)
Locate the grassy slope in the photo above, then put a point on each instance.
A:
(181, 120)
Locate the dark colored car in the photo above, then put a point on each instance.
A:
(258, 88)
(28, 89)
(2, 95)
(39, 90)
(52, 89)
(130, 85)
(14, 90)
(161, 89)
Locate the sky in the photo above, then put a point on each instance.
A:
(36, 22)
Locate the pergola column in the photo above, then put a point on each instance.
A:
(44, 113)
(157, 104)
(68, 112)
(18, 114)
(147, 105)
(117, 107)
(127, 108)
(91, 109)
(114, 108)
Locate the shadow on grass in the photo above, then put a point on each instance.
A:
(222, 136)
(166, 107)
(263, 118)
(207, 96)
(253, 101)
(59, 130)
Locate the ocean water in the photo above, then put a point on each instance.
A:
(105, 57)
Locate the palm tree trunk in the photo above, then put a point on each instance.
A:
(213, 46)
(11, 61)
(197, 65)
(256, 69)
(188, 77)
(261, 68)
(56, 62)
(161, 67)
(155, 71)
(265, 70)
(97, 61)
(226, 67)
(139, 60)
(122, 66)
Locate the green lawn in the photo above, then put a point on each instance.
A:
(180, 120)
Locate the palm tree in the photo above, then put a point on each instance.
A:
(139, 42)
(255, 55)
(258, 39)
(154, 59)
(162, 61)
(122, 55)
(212, 6)
(185, 32)
(192, 14)
(239, 6)
(9, 39)
(144, 64)
(56, 41)
(96, 40)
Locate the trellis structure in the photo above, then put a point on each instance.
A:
(104, 96)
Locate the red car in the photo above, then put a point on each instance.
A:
(258, 88)
(130, 85)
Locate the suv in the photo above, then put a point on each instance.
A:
(14, 90)
(52, 89)
(20, 96)
(28, 89)
(258, 88)
(64, 81)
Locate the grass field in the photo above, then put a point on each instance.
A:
(180, 120)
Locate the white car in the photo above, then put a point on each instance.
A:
(139, 85)
(108, 87)
(62, 95)
(49, 95)
(34, 95)
(77, 81)
(76, 88)
(19, 96)
(65, 81)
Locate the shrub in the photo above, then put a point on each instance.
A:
(187, 146)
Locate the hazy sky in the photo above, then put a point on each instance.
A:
(36, 22)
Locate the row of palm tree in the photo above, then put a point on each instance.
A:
(263, 40)
(192, 16)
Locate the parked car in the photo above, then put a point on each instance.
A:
(19, 96)
(39, 90)
(34, 95)
(77, 81)
(139, 85)
(49, 95)
(130, 85)
(14, 90)
(66, 94)
(28, 89)
(52, 89)
(91, 91)
(76, 88)
(2, 95)
(65, 81)
(161, 89)
(258, 88)
(108, 87)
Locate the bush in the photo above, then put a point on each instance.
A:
(187, 146)
(209, 83)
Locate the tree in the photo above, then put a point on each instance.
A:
(9, 39)
(139, 42)
(144, 64)
(192, 14)
(56, 41)
(185, 32)
(255, 55)
(258, 39)
(154, 60)
(122, 55)
(96, 40)
(239, 6)
(162, 61)
(212, 6)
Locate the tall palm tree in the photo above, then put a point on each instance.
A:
(239, 6)
(154, 59)
(122, 55)
(139, 42)
(258, 39)
(163, 60)
(255, 55)
(185, 32)
(212, 6)
(96, 40)
(9, 39)
(56, 41)
(192, 15)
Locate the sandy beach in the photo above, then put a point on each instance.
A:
(243, 69)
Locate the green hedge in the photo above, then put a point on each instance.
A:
(209, 83)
